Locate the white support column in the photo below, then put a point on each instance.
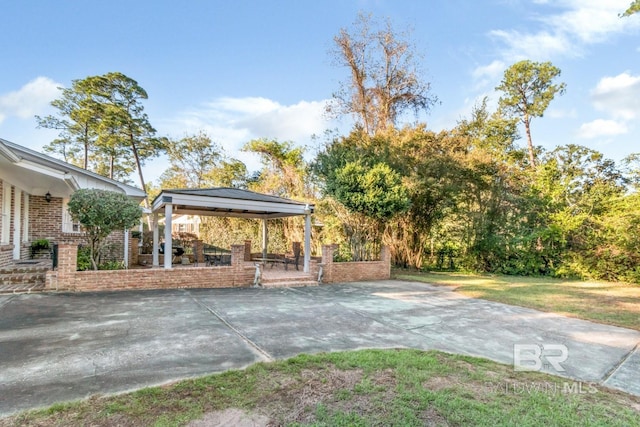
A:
(17, 223)
(126, 248)
(25, 218)
(168, 243)
(307, 239)
(265, 238)
(141, 240)
(156, 238)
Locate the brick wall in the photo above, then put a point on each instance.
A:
(341, 272)
(134, 251)
(6, 255)
(45, 222)
(239, 274)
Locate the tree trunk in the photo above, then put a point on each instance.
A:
(527, 126)
(141, 175)
(86, 148)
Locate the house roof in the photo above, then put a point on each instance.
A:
(229, 202)
(49, 169)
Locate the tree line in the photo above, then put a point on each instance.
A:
(467, 198)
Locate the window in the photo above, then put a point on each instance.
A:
(6, 213)
(68, 224)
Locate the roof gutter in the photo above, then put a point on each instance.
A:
(6, 152)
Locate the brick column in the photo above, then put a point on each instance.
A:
(67, 259)
(247, 250)
(198, 251)
(385, 257)
(134, 251)
(237, 255)
(327, 262)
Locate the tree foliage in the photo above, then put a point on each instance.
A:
(384, 76)
(528, 88)
(103, 126)
(634, 8)
(191, 160)
(102, 212)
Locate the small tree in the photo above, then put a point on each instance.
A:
(528, 88)
(101, 212)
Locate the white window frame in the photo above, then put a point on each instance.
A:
(68, 224)
(6, 213)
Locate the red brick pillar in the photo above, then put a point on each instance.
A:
(385, 257)
(247, 250)
(134, 251)
(327, 262)
(238, 253)
(198, 251)
(67, 267)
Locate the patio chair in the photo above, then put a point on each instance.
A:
(178, 251)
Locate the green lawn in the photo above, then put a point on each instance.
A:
(360, 388)
(604, 302)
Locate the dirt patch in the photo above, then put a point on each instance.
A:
(295, 399)
(231, 417)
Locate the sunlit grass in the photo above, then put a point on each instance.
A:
(605, 302)
(368, 387)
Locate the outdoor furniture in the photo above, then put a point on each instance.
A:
(178, 251)
(217, 259)
(274, 261)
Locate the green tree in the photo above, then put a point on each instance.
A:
(102, 212)
(634, 7)
(77, 119)
(229, 173)
(103, 118)
(191, 160)
(284, 168)
(124, 123)
(385, 80)
(528, 89)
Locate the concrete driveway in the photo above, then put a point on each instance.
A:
(58, 347)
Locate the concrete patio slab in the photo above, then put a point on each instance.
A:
(57, 347)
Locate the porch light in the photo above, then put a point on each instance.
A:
(47, 197)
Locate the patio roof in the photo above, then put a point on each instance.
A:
(229, 202)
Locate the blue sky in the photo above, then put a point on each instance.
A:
(249, 69)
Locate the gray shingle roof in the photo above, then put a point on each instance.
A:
(234, 193)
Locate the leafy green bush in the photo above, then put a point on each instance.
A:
(84, 259)
(112, 265)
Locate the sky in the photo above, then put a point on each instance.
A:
(247, 69)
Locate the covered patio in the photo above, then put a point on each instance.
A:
(226, 202)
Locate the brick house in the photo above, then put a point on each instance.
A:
(34, 191)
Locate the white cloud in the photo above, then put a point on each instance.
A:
(619, 96)
(591, 21)
(486, 75)
(31, 99)
(232, 122)
(558, 113)
(575, 24)
(538, 47)
(600, 127)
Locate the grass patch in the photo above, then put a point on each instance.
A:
(368, 387)
(604, 302)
